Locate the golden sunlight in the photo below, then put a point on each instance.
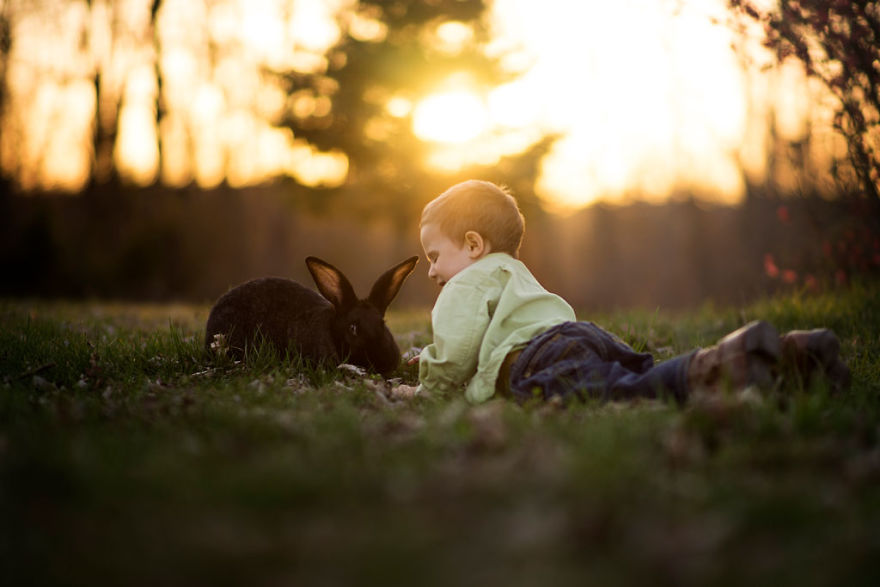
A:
(647, 101)
(220, 111)
(647, 97)
(449, 37)
(455, 116)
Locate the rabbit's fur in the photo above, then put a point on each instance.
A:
(328, 328)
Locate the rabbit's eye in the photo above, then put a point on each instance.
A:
(353, 329)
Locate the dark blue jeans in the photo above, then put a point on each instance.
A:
(582, 360)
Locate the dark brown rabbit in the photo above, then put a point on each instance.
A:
(330, 329)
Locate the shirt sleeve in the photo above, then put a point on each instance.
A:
(459, 321)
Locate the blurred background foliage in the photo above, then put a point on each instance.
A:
(162, 149)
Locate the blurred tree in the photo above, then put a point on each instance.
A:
(5, 47)
(838, 43)
(367, 72)
(155, 6)
(107, 103)
(359, 99)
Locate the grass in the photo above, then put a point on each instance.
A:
(127, 458)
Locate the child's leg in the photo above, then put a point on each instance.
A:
(755, 354)
(580, 359)
(811, 354)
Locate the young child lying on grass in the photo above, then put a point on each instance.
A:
(498, 331)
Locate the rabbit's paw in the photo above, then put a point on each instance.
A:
(219, 345)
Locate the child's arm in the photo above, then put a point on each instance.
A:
(404, 391)
(459, 321)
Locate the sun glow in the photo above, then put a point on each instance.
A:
(455, 116)
(221, 115)
(647, 103)
(646, 97)
(643, 111)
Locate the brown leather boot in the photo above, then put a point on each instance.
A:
(748, 356)
(814, 354)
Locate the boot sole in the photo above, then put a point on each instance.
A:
(819, 357)
(838, 376)
(822, 345)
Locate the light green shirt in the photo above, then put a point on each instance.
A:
(485, 311)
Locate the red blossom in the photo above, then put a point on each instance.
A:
(783, 214)
(770, 267)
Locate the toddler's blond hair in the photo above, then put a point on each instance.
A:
(480, 206)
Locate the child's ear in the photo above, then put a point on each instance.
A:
(476, 245)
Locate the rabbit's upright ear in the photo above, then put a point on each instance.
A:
(388, 284)
(332, 284)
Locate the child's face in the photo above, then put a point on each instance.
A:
(446, 257)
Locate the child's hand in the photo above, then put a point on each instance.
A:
(403, 391)
(412, 355)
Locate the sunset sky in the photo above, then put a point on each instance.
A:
(648, 96)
